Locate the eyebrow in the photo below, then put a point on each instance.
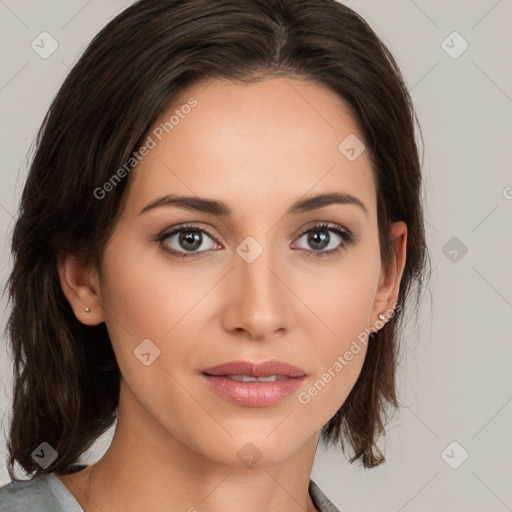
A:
(221, 209)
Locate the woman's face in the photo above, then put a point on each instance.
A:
(246, 282)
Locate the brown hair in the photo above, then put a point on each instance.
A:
(66, 378)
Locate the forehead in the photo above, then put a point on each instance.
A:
(253, 144)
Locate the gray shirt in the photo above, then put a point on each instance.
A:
(46, 493)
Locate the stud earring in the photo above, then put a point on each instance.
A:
(87, 309)
(382, 317)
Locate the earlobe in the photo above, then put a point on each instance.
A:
(80, 284)
(386, 297)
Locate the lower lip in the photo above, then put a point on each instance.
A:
(253, 394)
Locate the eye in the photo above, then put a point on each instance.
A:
(195, 241)
(323, 243)
(187, 239)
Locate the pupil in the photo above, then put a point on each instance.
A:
(190, 239)
(319, 237)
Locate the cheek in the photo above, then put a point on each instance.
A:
(343, 296)
(140, 299)
(344, 306)
(146, 296)
(338, 357)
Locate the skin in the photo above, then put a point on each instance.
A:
(259, 148)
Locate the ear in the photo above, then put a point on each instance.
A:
(390, 277)
(80, 284)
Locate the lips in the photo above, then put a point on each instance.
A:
(254, 384)
(263, 369)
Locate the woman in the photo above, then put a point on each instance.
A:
(219, 230)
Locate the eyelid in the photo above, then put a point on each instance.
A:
(321, 224)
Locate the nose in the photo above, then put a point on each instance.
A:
(258, 300)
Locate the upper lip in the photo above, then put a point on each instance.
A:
(255, 369)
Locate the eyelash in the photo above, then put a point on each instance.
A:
(347, 237)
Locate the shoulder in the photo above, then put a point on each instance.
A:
(321, 501)
(34, 495)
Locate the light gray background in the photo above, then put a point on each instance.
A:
(456, 377)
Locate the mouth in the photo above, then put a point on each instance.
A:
(250, 378)
(251, 384)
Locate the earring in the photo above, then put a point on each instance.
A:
(382, 317)
(87, 309)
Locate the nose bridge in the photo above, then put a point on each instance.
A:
(252, 267)
(258, 303)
